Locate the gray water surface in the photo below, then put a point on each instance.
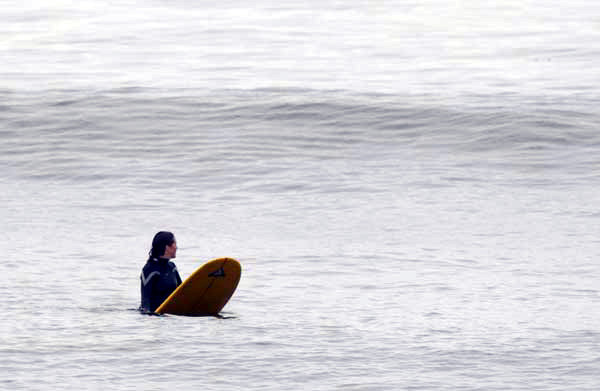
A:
(411, 190)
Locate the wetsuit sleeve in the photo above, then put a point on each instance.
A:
(177, 277)
(147, 285)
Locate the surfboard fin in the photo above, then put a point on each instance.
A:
(218, 273)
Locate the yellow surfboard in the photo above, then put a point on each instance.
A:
(205, 291)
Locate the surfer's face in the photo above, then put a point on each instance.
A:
(171, 250)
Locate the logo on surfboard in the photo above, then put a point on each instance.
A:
(218, 273)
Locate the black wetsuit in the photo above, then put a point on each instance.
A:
(159, 279)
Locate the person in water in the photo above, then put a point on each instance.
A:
(159, 276)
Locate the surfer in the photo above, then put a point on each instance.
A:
(159, 276)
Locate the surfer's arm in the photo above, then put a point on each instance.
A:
(177, 277)
(147, 285)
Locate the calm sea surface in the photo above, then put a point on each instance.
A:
(411, 188)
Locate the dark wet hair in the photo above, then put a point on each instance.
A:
(160, 242)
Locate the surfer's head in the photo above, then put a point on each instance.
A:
(163, 245)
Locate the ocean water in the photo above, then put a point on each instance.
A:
(411, 188)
